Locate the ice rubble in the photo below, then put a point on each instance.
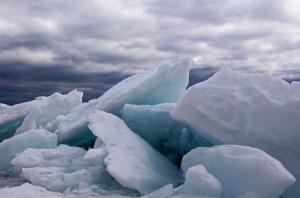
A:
(64, 167)
(31, 139)
(165, 83)
(37, 113)
(155, 125)
(130, 159)
(257, 110)
(228, 108)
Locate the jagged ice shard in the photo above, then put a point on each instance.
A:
(130, 159)
(165, 83)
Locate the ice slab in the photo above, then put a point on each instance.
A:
(28, 190)
(3, 107)
(257, 110)
(37, 113)
(241, 170)
(166, 191)
(131, 160)
(155, 125)
(31, 139)
(166, 83)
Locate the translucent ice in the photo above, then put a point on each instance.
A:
(155, 125)
(250, 109)
(37, 113)
(31, 139)
(131, 160)
(165, 83)
(241, 170)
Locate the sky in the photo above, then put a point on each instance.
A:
(60, 45)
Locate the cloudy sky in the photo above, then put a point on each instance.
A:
(59, 45)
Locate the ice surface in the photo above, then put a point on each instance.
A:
(37, 113)
(249, 109)
(165, 83)
(131, 160)
(165, 192)
(31, 139)
(241, 170)
(155, 125)
(66, 168)
(3, 106)
(200, 182)
(28, 191)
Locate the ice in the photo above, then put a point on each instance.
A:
(66, 168)
(37, 113)
(131, 160)
(31, 139)
(3, 107)
(257, 110)
(165, 192)
(28, 191)
(165, 83)
(200, 182)
(155, 125)
(55, 169)
(241, 170)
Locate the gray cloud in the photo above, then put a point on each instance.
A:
(64, 44)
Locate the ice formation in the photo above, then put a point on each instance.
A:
(241, 170)
(249, 109)
(165, 83)
(28, 190)
(31, 139)
(155, 125)
(142, 167)
(37, 113)
(130, 141)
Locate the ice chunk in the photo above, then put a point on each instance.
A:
(155, 125)
(28, 190)
(66, 168)
(55, 169)
(32, 139)
(200, 182)
(37, 112)
(249, 109)
(165, 192)
(131, 160)
(165, 83)
(242, 170)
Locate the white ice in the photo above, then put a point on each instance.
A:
(241, 170)
(131, 160)
(16, 144)
(165, 83)
(257, 110)
(37, 113)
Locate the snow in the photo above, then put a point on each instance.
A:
(165, 83)
(257, 110)
(241, 170)
(31, 139)
(155, 125)
(143, 169)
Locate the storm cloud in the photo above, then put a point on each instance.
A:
(59, 45)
